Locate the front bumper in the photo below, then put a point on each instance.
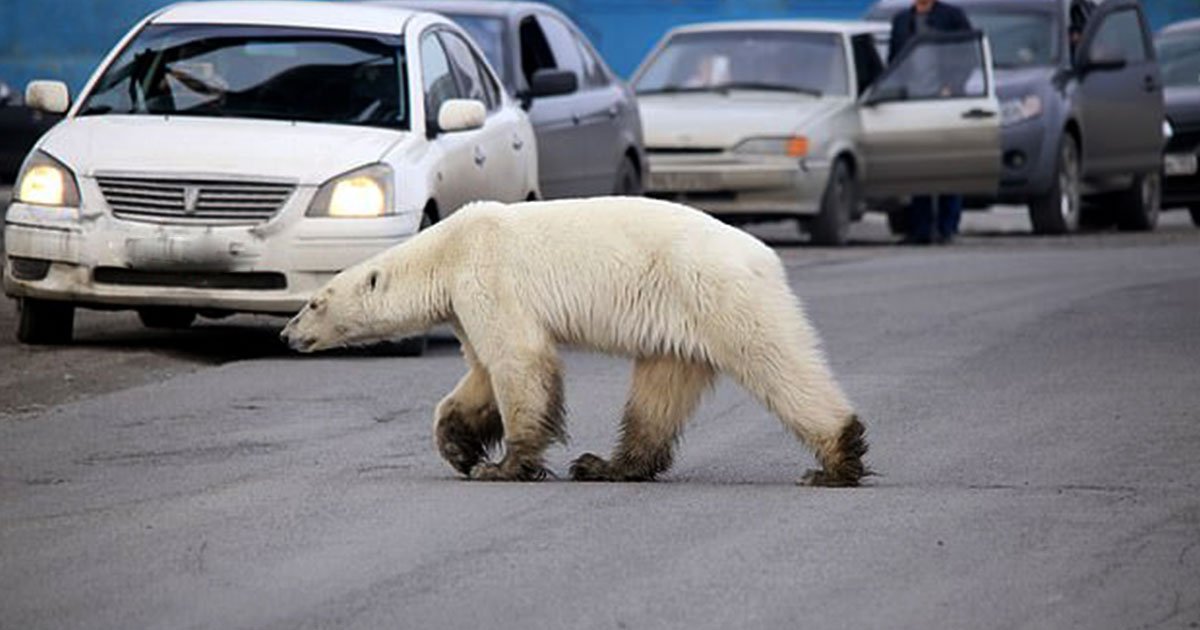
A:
(732, 184)
(91, 258)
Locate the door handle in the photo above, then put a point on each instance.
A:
(517, 143)
(978, 114)
(614, 110)
(1151, 84)
(575, 118)
(480, 156)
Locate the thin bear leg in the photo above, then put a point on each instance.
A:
(467, 422)
(664, 394)
(529, 390)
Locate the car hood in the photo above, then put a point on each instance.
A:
(1183, 105)
(307, 153)
(687, 120)
(1017, 82)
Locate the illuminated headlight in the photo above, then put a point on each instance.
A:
(794, 146)
(366, 192)
(44, 181)
(1168, 129)
(1015, 110)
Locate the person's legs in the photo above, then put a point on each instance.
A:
(949, 215)
(920, 220)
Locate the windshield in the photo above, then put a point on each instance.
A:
(1179, 57)
(1019, 40)
(255, 72)
(488, 33)
(809, 63)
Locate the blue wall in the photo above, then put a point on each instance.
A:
(64, 39)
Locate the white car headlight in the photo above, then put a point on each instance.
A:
(365, 192)
(44, 181)
(1168, 129)
(794, 146)
(1015, 110)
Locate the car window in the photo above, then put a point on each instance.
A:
(752, 59)
(233, 71)
(562, 45)
(1179, 56)
(1120, 37)
(1019, 39)
(868, 65)
(535, 49)
(466, 69)
(488, 33)
(937, 66)
(437, 77)
(593, 68)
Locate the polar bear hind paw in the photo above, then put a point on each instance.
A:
(488, 471)
(591, 467)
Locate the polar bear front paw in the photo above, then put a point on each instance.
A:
(487, 471)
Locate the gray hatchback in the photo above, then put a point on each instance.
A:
(586, 120)
(1081, 105)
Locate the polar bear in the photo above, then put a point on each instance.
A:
(682, 294)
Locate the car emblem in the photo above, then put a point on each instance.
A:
(191, 196)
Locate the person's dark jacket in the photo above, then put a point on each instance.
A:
(943, 17)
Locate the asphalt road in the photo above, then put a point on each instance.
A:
(1033, 407)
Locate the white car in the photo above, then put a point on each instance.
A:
(801, 119)
(233, 156)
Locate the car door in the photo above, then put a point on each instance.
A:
(497, 149)
(930, 123)
(1120, 92)
(459, 172)
(595, 112)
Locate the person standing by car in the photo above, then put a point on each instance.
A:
(926, 16)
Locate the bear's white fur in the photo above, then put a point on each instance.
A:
(681, 293)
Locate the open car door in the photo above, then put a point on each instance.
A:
(931, 122)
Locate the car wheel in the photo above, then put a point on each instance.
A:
(629, 181)
(1057, 211)
(1140, 204)
(166, 317)
(832, 225)
(1195, 211)
(45, 322)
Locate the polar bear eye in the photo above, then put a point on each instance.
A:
(373, 280)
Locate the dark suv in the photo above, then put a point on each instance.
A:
(1081, 105)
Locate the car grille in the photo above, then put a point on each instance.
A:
(193, 201)
(257, 280)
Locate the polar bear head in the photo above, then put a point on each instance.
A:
(387, 297)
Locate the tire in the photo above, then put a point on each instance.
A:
(1140, 205)
(410, 346)
(1058, 210)
(832, 225)
(1195, 212)
(167, 317)
(45, 322)
(629, 180)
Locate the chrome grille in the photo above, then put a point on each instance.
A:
(193, 201)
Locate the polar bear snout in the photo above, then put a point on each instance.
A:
(294, 336)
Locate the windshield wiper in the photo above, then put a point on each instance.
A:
(766, 87)
(676, 89)
(95, 109)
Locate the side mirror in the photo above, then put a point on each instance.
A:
(461, 114)
(48, 96)
(885, 94)
(547, 82)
